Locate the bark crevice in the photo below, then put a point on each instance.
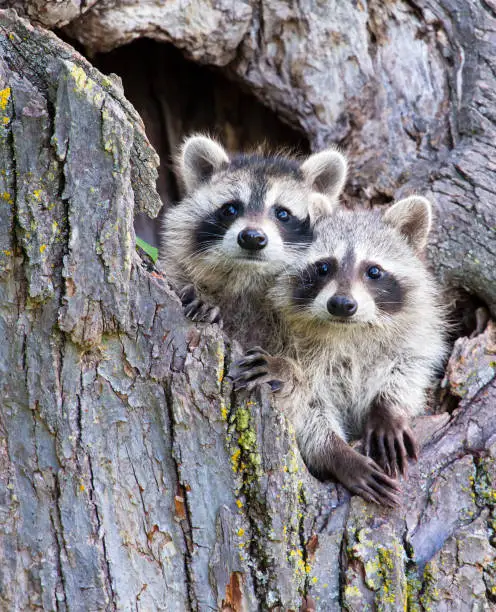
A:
(134, 476)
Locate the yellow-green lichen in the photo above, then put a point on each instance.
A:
(81, 80)
(383, 568)
(223, 410)
(413, 587)
(386, 569)
(220, 364)
(292, 464)
(4, 97)
(235, 460)
(351, 591)
(430, 593)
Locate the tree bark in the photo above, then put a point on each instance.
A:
(132, 477)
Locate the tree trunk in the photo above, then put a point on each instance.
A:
(131, 475)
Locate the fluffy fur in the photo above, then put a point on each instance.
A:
(365, 373)
(227, 196)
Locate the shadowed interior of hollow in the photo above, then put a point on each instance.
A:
(176, 97)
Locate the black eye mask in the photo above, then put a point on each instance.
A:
(213, 228)
(386, 290)
(294, 230)
(310, 282)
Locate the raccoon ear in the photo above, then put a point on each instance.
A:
(200, 157)
(326, 172)
(412, 217)
(320, 206)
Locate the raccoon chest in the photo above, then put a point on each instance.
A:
(348, 389)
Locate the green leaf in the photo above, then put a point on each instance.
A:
(148, 248)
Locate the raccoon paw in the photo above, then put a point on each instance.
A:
(196, 309)
(390, 442)
(256, 367)
(362, 476)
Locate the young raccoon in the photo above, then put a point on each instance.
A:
(367, 335)
(243, 220)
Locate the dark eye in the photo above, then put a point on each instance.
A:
(322, 268)
(230, 210)
(374, 272)
(283, 215)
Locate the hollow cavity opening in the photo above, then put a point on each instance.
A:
(176, 97)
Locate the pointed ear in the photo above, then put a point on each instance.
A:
(412, 217)
(326, 172)
(200, 157)
(320, 206)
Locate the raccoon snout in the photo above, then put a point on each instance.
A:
(252, 239)
(342, 306)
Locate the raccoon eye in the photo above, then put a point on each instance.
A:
(322, 268)
(283, 215)
(374, 272)
(230, 210)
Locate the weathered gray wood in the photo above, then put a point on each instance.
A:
(131, 477)
(407, 89)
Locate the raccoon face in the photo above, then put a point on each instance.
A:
(363, 269)
(252, 211)
(252, 219)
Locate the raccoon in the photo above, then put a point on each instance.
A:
(367, 334)
(244, 218)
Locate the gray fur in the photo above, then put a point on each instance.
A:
(220, 274)
(341, 369)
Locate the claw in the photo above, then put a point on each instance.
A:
(214, 316)
(191, 308)
(252, 373)
(255, 369)
(383, 459)
(252, 360)
(367, 494)
(395, 442)
(411, 444)
(257, 349)
(393, 465)
(402, 456)
(379, 475)
(187, 294)
(195, 309)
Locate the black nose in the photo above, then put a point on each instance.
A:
(252, 239)
(342, 306)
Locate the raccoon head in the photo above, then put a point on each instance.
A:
(362, 270)
(249, 212)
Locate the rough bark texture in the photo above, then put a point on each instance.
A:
(164, 87)
(131, 476)
(406, 87)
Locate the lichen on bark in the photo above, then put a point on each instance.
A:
(131, 474)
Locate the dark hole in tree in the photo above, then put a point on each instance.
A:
(176, 97)
(468, 316)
